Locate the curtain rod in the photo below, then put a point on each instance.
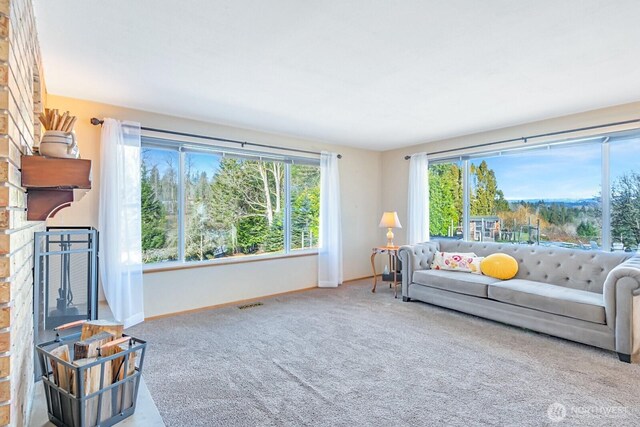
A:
(96, 122)
(526, 138)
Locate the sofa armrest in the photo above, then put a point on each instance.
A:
(622, 305)
(415, 257)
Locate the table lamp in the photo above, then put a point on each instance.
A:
(390, 220)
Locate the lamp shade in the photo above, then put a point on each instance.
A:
(390, 220)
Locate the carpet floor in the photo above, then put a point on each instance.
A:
(347, 357)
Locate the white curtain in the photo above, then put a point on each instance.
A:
(120, 220)
(330, 252)
(418, 200)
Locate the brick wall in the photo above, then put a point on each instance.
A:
(21, 93)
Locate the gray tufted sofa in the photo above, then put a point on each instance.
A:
(583, 296)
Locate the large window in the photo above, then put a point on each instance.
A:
(549, 195)
(229, 205)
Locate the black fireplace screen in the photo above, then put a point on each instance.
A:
(65, 277)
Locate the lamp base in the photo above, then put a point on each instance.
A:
(390, 238)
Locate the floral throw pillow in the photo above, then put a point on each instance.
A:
(467, 262)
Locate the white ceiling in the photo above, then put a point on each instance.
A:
(376, 74)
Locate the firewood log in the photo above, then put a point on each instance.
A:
(117, 368)
(54, 123)
(124, 394)
(44, 121)
(71, 124)
(89, 347)
(91, 384)
(62, 375)
(94, 327)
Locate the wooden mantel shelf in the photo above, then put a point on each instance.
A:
(52, 183)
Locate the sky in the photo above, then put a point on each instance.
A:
(163, 158)
(561, 172)
(203, 162)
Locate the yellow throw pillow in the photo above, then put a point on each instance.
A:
(500, 266)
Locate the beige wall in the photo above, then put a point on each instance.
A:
(167, 292)
(395, 169)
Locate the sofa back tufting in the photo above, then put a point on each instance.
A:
(571, 268)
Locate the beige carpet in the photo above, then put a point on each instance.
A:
(345, 357)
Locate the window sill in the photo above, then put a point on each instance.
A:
(176, 265)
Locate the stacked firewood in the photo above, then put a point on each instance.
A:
(51, 119)
(98, 339)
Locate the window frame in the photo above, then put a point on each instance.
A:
(184, 147)
(605, 140)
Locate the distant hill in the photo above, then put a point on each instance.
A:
(567, 202)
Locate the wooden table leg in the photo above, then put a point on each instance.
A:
(390, 265)
(373, 266)
(395, 274)
(395, 281)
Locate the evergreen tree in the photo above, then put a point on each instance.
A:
(251, 233)
(486, 198)
(587, 230)
(274, 239)
(445, 198)
(153, 217)
(305, 206)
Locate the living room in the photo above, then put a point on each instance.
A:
(360, 213)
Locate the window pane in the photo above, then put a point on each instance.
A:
(305, 206)
(159, 197)
(204, 236)
(233, 207)
(445, 200)
(549, 196)
(625, 194)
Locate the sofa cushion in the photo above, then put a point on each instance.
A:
(568, 302)
(464, 262)
(500, 266)
(455, 281)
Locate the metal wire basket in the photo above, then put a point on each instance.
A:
(101, 392)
